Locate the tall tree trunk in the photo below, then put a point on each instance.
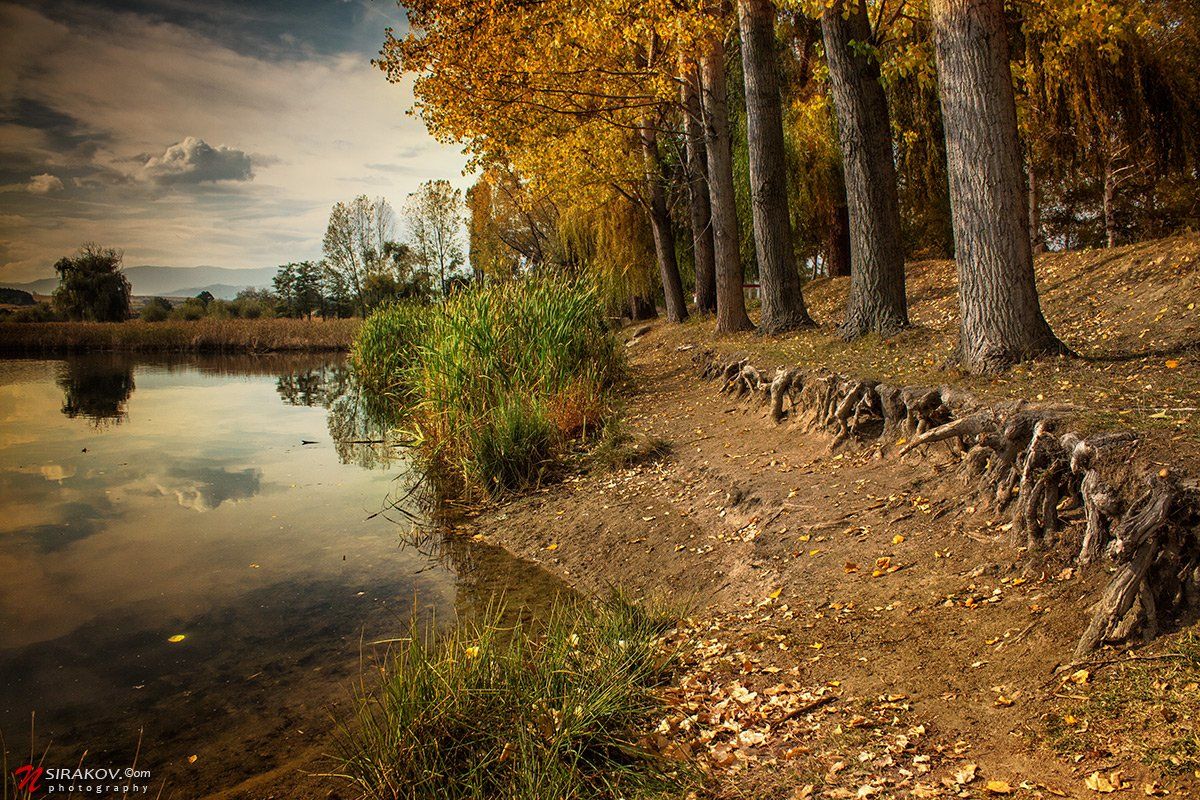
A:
(1036, 239)
(838, 245)
(1001, 319)
(783, 306)
(641, 307)
(731, 298)
(1109, 196)
(660, 221)
(877, 303)
(699, 206)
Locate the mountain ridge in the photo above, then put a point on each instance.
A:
(149, 279)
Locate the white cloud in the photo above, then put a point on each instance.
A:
(196, 161)
(44, 184)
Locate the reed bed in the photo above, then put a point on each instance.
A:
(489, 712)
(496, 382)
(199, 336)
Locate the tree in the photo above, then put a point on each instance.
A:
(92, 286)
(731, 297)
(434, 215)
(660, 221)
(877, 301)
(699, 208)
(783, 306)
(1001, 319)
(354, 245)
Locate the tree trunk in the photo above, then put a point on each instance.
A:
(731, 298)
(1035, 209)
(1001, 319)
(783, 306)
(641, 307)
(877, 302)
(660, 220)
(700, 208)
(837, 247)
(1110, 193)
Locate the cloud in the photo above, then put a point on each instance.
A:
(196, 161)
(44, 184)
(299, 130)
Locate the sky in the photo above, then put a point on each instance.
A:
(217, 132)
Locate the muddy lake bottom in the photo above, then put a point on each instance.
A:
(201, 555)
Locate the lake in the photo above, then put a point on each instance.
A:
(197, 555)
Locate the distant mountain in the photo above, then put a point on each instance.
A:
(173, 281)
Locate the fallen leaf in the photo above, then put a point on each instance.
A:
(898, 538)
(552, 546)
(965, 775)
(177, 638)
(192, 759)
(1098, 783)
(1172, 363)
(1154, 790)
(1080, 677)
(998, 787)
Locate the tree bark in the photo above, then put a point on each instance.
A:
(641, 307)
(837, 247)
(877, 302)
(1001, 319)
(660, 222)
(783, 306)
(697, 175)
(1037, 241)
(731, 298)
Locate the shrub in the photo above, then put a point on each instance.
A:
(92, 286)
(487, 712)
(156, 309)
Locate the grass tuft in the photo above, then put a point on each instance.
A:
(488, 712)
(496, 381)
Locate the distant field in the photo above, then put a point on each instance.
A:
(206, 335)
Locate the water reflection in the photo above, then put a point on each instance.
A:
(290, 567)
(96, 388)
(363, 426)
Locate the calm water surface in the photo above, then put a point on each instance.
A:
(234, 502)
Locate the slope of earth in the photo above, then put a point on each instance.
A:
(857, 627)
(1131, 313)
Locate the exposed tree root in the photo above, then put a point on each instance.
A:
(1018, 459)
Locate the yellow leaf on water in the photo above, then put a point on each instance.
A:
(176, 639)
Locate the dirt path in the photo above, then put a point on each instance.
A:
(894, 641)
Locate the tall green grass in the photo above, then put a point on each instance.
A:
(496, 381)
(486, 712)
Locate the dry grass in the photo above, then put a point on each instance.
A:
(205, 335)
(1130, 313)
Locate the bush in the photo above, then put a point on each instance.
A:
(487, 712)
(495, 380)
(92, 287)
(156, 309)
(191, 310)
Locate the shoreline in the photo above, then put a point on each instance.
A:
(280, 335)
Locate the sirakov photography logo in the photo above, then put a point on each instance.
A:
(45, 782)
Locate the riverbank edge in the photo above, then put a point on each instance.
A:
(201, 336)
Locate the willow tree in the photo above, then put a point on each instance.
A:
(515, 82)
(783, 305)
(1001, 319)
(877, 300)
